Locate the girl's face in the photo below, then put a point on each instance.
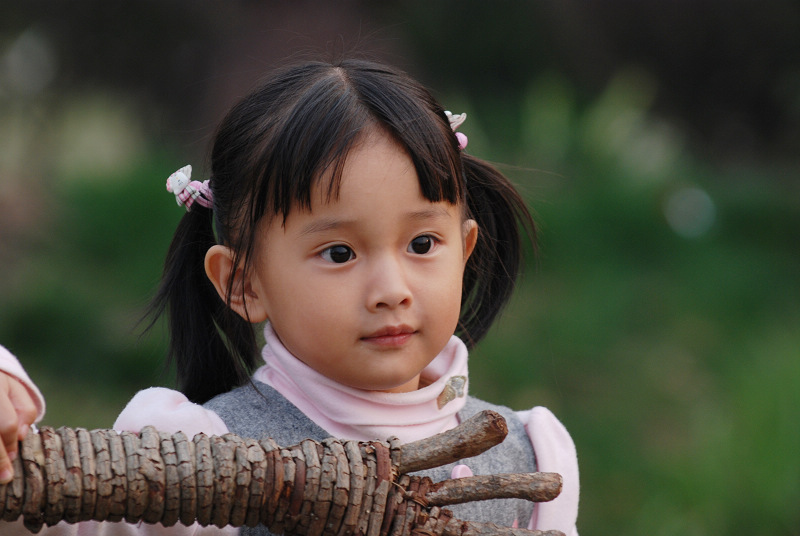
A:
(365, 288)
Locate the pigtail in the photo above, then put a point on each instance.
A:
(491, 272)
(212, 348)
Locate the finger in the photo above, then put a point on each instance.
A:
(9, 426)
(6, 469)
(24, 405)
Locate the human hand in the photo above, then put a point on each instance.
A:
(17, 413)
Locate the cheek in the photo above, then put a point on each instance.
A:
(303, 304)
(442, 294)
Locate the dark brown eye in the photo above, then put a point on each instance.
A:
(421, 245)
(337, 254)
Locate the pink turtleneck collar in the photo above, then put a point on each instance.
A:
(365, 415)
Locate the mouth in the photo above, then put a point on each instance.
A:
(390, 336)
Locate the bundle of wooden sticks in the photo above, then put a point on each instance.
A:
(328, 488)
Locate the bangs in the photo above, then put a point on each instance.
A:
(323, 121)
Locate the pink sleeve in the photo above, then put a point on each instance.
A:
(11, 366)
(169, 411)
(555, 453)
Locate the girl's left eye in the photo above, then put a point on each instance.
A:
(421, 245)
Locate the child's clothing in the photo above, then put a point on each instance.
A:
(288, 426)
(289, 402)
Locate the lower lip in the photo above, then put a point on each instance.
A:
(389, 341)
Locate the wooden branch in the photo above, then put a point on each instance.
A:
(536, 487)
(461, 528)
(329, 488)
(474, 436)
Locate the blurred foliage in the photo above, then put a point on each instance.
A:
(661, 320)
(669, 350)
(76, 302)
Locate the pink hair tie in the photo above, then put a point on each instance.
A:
(188, 191)
(455, 121)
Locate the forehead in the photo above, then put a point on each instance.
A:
(372, 164)
(364, 166)
(369, 166)
(378, 183)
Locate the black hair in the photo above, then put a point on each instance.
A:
(292, 132)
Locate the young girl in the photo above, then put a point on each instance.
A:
(343, 214)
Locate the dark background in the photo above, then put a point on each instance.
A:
(657, 144)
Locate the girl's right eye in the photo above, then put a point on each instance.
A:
(337, 254)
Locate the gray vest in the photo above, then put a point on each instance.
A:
(257, 410)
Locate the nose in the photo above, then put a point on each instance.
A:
(388, 285)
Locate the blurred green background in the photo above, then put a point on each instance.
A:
(657, 144)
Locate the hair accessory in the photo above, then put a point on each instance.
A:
(188, 191)
(455, 122)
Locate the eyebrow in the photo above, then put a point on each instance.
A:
(429, 213)
(322, 225)
(329, 224)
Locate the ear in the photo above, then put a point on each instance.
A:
(244, 298)
(470, 234)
